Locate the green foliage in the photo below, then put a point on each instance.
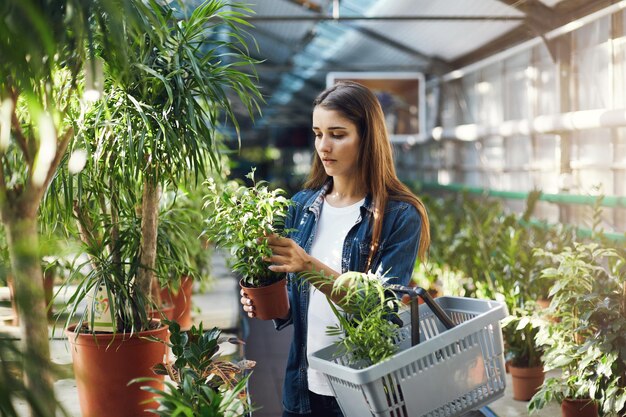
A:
(12, 386)
(490, 254)
(239, 218)
(155, 128)
(202, 384)
(587, 340)
(519, 331)
(366, 330)
(161, 117)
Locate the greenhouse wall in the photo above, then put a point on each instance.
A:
(531, 83)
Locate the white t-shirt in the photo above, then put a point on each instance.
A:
(332, 228)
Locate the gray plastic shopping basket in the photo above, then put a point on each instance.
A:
(447, 373)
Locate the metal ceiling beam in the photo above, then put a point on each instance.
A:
(343, 66)
(317, 17)
(538, 15)
(539, 19)
(296, 48)
(569, 11)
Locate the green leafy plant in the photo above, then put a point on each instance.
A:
(240, 217)
(519, 331)
(201, 384)
(155, 129)
(12, 386)
(368, 328)
(41, 92)
(587, 338)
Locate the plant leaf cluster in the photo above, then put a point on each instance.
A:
(588, 340)
(239, 218)
(367, 317)
(201, 383)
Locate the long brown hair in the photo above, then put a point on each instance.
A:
(376, 169)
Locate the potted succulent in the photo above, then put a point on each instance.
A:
(587, 338)
(239, 219)
(202, 383)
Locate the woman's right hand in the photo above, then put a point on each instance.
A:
(247, 304)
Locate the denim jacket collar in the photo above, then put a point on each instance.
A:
(314, 204)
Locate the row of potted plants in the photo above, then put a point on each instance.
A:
(495, 255)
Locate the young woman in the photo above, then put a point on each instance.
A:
(353, 215)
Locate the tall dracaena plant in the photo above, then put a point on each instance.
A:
(42, 55)
(161, 117)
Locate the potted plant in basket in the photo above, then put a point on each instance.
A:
(240, 217)
(368, 323)
(587, 338)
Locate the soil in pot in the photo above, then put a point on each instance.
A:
(271, 301)
(526, 381)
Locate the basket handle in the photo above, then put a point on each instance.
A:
(415, 292)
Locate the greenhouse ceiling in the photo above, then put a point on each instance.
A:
(300, 41)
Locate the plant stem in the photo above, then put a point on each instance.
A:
(23, 242)
(116, 256)
(149, 229)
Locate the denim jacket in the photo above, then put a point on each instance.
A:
(395, 257)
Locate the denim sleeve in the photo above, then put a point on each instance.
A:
(399, 252)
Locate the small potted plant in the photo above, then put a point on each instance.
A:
(239, 218)
(523, 354)
(586, 339)
(202, 384)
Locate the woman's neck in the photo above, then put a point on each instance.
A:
(345, 193)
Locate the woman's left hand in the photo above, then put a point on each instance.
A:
(287, 255)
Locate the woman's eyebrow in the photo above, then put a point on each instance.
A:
(331, 128)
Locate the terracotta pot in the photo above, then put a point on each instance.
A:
(181, 302)
(526, 381)
(271, 301)
(571, 407)
(105, 363)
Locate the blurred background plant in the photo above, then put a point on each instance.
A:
(41, 99)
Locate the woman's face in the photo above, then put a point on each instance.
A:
(336, 142)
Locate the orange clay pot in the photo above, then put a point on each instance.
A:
(105, 363)
(526, 381)
(181, 302)
(271, 301)
(571, 407)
